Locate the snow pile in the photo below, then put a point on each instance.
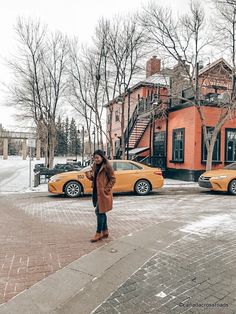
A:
(178, 183)
(208, 224)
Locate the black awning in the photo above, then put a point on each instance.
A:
(138, 150)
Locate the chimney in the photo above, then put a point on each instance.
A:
(153, 66)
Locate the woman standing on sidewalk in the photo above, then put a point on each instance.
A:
(103, 178)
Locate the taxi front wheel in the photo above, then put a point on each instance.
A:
(73, 189)
(142, 187)
(232, 187)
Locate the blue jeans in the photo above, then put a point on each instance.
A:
(101, 220)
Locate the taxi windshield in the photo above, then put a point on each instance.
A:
(231, 166)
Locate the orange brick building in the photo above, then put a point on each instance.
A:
(174, 141)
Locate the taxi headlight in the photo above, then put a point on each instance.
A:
(218, 177)
(54, 179)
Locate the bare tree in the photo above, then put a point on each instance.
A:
(103, 71)
(79, 87)
(185, 40)
(122, 44)
(39, 70)
(86, 95)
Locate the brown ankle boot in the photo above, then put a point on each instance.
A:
(105, 234)
(96, 238)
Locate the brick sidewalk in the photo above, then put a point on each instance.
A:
(31, 249)
(194, 275)
(40, 235)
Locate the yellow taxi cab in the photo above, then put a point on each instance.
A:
(220, 180)
(130, 176)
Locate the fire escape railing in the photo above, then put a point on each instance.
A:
(144, 105)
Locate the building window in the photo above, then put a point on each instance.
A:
(230, 145)
(216, 150)
(178, 145)
(159, 144)
(117, 115)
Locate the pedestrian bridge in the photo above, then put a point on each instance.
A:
(17, 135)
(6, 135)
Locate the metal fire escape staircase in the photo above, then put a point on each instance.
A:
(145, 111)
(137, 131)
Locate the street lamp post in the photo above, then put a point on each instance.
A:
(94, 136)
(128, 123)
(82, 137)
(82, 145)
(48, 140)
(76, 143)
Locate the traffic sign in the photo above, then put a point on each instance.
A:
(31, 142)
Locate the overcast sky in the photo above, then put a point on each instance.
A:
(73, 17)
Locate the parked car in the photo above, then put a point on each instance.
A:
(59, 168)
(66, 167)
(37, 167)
(130, 176)
(220, 180)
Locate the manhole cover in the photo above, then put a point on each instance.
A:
(112, 250)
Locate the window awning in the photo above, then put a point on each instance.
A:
(138, 150)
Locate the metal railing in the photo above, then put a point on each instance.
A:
(144, 105)
(154, 161)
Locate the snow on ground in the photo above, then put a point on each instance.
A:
(209, 223)
(179, 183)
(14, 176)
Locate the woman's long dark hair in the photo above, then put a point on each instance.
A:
(107, 167)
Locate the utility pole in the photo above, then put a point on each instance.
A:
(128, 90)
(76, 143)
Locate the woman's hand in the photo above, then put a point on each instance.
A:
(107, 191)
(89, 174)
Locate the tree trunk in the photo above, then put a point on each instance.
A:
(100, 135)
(209, 156)
(51, 153)
(110, 134)
(50, 145)
(111, 146)
(46, 155)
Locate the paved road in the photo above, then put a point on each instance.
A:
(40, 234)
(13, 177)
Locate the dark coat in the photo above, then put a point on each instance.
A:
(104, 188)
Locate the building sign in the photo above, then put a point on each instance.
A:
(31, 142)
